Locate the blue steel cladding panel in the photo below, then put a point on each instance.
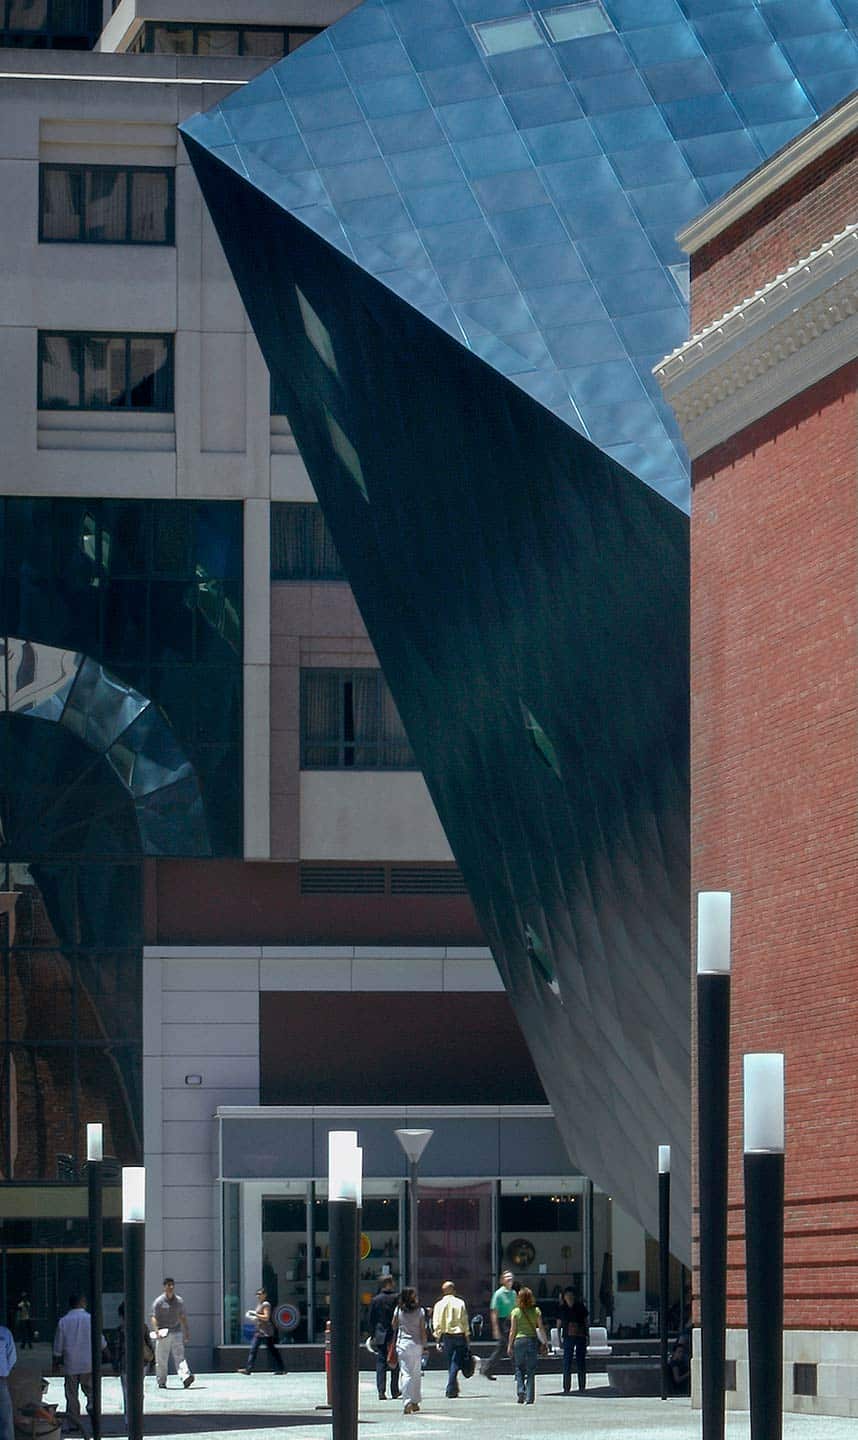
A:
(410, 128)
(485, 239)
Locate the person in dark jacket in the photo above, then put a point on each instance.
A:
(574, 1333)
(381, 1311)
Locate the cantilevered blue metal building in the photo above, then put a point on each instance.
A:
(452, 223)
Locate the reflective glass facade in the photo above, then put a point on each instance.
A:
(150, 593)
(120, 738)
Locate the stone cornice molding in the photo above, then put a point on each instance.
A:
(772, 175)
(797, 329)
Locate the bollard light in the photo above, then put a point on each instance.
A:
(764, 1102)
(713, 932)
(663, 1259)
(133, 1195)
(345, 1183)
(664, 1159)
(95, 1142)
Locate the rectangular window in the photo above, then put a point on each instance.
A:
(105, 372)
(350, 722)
(301, 544)
(106, 204)
(175, 39)
(498, 37)
(573, 22)
(50, 24)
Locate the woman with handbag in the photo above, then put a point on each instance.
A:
(526, 1335)
(262, 1335)
(410, 1327)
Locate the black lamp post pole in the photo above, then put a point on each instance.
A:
(764, 1241)
(134, 1257)
(713, 1113)
(94, 1149)
(663, 1259)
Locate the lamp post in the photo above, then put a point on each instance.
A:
(94, 1158)
(663, 1257)
(344, 1200)
(764, 1240)
(413, 1142)
(134, 1255)
(713, 1113)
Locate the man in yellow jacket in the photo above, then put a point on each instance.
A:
(452, 1332)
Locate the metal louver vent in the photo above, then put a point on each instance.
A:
(426, 880)
(342, 880)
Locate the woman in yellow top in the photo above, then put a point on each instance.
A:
(525, 1337)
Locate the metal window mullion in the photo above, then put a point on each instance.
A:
(127, 405)
(129, 176)
(80, 348)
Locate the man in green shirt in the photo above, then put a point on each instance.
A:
(504, 1302)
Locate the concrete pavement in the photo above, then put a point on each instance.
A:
(262, 1406)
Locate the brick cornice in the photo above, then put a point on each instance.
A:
(797, 329)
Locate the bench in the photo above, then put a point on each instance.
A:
(597, 1347)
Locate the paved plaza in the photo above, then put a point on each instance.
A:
(261, 1406)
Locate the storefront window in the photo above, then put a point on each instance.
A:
(232, 1300)
(542, 1237)
(285, 1271)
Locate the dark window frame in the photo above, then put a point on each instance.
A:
(81, 336)
(144, 41)
(127, 170)
(344, 745)
(54, 34)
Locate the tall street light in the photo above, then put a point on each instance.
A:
(413, 1142)
(663, 1257)
(345, 1164)
(764, 1240)
(94, 1158)
(134, 1256)
(713, 1114)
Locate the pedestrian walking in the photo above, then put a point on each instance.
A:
(24, 1321)
(525, 1337)
(574, 1333)
(262, 1335)
(409, 1325)
(169, 1322)
(381, 1311)
(8, 1357)
(72, 1352)
(452, 1332)
(502, 1305)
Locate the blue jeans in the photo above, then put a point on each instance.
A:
(7, 1423)
(575, 1348)
(454, 1349)
(268, 1341)
(525, 1353)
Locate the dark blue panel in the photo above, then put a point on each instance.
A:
(764, 104)
(524, 69)
(543, 107)
(398, 95)
(808, 18)
(595, 55)
(682, 79)
(436, 49)
(421, 132)
(425, 167)
(650, 164)
(489, 154)
(823, 54)
(753, 66)
(458, 82)
(662, 43)
(536, 225)
(566, 141)
(374, 62)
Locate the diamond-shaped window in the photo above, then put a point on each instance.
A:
(573, 22)
(497, 37)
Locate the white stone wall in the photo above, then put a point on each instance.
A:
(201, 1019)
(833, 1352)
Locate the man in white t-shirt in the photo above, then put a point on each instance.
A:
(169, 1322)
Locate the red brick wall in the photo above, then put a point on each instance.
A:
(818, 202)
(774, 676)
